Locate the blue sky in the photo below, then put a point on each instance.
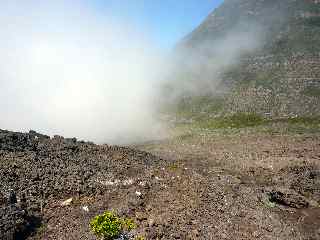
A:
(166, 21)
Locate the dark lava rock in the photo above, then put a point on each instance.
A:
(12, 198)
(13, 222)
(13, 141)
(303, 180)
(306, 181)
(288, 198)
(39, 170)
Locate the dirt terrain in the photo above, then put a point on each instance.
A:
(204, 185)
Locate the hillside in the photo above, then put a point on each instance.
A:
(258, 56)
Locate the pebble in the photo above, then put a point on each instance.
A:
(67, 202)
(85, 208)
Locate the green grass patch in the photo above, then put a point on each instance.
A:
(313, 21)
(243, 120)
(311, 91)
(238, 120)
(307, 121)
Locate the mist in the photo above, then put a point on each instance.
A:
(198, 70)
(66, 71)
(202, 62)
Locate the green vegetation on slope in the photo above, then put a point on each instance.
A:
(238, 120)
(312, 91)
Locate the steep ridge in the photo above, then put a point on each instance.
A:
(264, 55)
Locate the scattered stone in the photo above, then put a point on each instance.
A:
(141, 216)
(85, 208)
(67, 202)
(151, 222)
(128, 182)
(148, 207)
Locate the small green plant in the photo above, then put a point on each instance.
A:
(109, 226)
(269, 203)
(173, 167)
(128, 224)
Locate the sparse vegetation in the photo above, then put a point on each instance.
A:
(269, 203)
(312, 91)
(313, 21)
(304, 120)
(109, 226)
(238, 120)
(247, 120)
(173, 167)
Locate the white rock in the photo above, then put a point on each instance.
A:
(138, 193)
(85, 208)
(109, 183)
(127, 182)
(67, 202)
(143, 183)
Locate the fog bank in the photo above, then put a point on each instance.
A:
(64, 70)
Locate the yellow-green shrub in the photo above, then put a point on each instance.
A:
(109, 226)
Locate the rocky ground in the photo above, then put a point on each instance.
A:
(203, 185)
(37, 171)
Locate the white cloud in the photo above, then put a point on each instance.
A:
(65, 71)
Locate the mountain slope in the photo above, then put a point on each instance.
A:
(264, 55)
